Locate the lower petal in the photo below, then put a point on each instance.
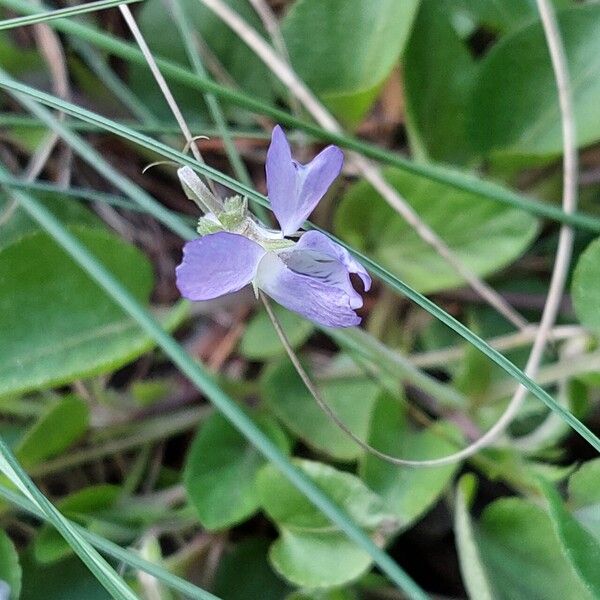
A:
(315, 240)
(217, 264)
(316, 300)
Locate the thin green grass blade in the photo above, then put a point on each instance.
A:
(116, 587)
(15, 120)
(71, 11)
(452, 177)
(375, 269)
(206, 383)
(81, 194)
(111, 549)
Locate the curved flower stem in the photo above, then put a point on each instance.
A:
(316, 394)
(369, 171)
(565, 243)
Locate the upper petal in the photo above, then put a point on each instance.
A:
(294, 189)
(320, 299)
(217, 264)
(281, 178)
(315, 240)
(314, 179)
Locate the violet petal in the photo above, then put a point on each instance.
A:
(315, 240)
(294, 189)
(323, 296)
(217, 264)
(281, 177)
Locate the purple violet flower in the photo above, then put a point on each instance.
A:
(310, 277)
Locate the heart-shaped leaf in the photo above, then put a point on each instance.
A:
(311, 551)
(221, 469)
(56, 324)
(483, 234)
(408, 492)
(344, 49)
(352, 400)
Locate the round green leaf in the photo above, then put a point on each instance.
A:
(585, 287)
(352, 400)
(523, 556)
(221, 469)
(484, 235)
(514, 108)
(318, 559)
(260, 341)
(311, 551)
(344, 49)
(580, 547)
(408, 492)
(10, 569)
(56, 430)
(56, 325)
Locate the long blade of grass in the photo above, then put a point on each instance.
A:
(70, 11)
(453, 177)
(80, 193)
(207, 129)
(96, 564)
(113, 550)
(375, 268)
(206, 383)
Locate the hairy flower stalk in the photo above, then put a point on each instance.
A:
(310, 276)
